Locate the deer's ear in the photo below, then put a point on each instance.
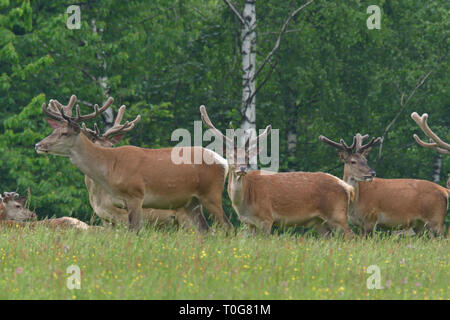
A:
(116, 139)
(53, 123)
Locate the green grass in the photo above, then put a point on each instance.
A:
(170, 264)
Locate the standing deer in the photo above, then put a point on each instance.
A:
(138, 178)
(261, 199)
(13, 213)
(392, 203)
(101, 201)
(435, 142)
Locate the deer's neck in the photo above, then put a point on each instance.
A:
(236, 189)
(351, 181)
(91, 159)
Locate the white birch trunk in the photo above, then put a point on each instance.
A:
(437, 164)
(248, 37)
(108, 114)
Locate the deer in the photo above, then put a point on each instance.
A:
(12, 208)
(101, 201)
(390, 203)
(262, 199)
(13, 213)
(435, 143)
(137, 178)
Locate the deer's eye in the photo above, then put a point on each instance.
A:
(63, 133)
(353, 162)
(18, 206)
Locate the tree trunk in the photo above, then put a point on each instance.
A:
(248, 38)
(108, 114)
(437, 164)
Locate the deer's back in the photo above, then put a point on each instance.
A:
(157, 170)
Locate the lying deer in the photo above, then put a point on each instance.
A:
(101, 201)
(137, 178)
(12, 209)
(13, 213)
(261, 198)
(435, 142)
(391, 203)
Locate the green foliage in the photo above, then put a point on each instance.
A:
(163, 59)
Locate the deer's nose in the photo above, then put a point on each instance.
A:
(37, 146)
(372, 173)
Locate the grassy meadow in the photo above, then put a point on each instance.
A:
(180, 264)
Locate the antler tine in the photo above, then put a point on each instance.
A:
(208, 123)
(52, 114)
(96, 112)
(435, 142)
(120, 115)
(96, 129)
(120, 128)
(90, 131)
(359, 139)
(10, 194)
(341, 146)
(68, 109)
(261, 136)
(346, 146)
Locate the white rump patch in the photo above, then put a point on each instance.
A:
(347, 187)
(219, 160)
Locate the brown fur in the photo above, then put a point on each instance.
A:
(401, 203)
(110, 214)
(145, 178)
(292, 199)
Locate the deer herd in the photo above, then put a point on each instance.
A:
(135, 186)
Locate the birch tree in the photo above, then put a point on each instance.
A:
(247, 19)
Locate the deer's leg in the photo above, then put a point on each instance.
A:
(419, 228)
(337, 221)
(213, 203)
(322, 229)
(436, 228)
(266, 225)
(195, 213)
(134, 208)
(183, 219)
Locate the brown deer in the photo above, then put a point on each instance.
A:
(12, 209)
(13, 214)
(262, 198)
(391, 203)
(101, 201)
(435, 143)
(138, 178)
